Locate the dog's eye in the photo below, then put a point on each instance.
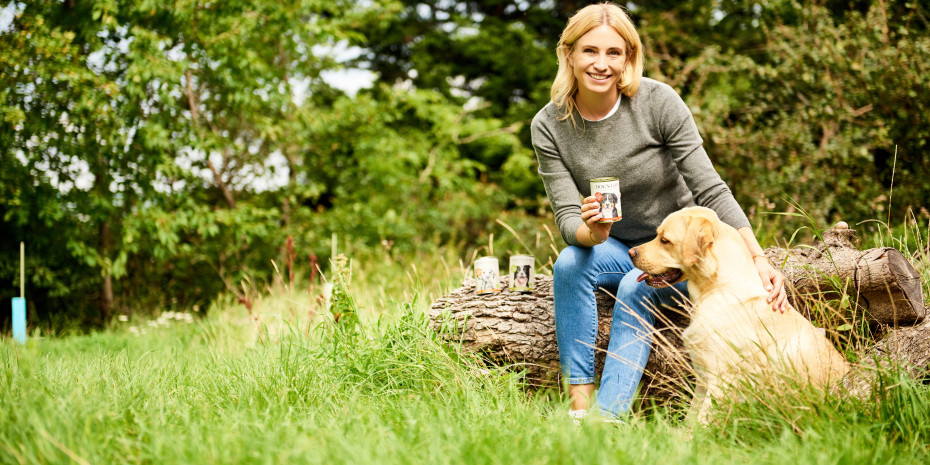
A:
(664, 240)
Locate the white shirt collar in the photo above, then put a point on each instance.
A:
(612, 111)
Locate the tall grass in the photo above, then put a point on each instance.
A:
(382, 390)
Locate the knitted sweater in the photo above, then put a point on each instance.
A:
(651, 144)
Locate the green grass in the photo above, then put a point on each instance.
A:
(386, 391)
(389, 394)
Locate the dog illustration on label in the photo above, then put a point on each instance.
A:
(521, 276)
(608, 203)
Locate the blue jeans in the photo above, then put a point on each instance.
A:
(577, 274)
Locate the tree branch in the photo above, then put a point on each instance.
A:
(195, 115)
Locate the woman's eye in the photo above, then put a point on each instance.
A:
(615, 53)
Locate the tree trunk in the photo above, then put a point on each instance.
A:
(106, 290)
(514, 328)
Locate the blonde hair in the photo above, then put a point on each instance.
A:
(565, 86)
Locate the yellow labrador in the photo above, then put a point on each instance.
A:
(735, 338)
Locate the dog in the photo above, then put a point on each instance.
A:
(735, 339)
(521, 277)
(609, 206)
(486, 281)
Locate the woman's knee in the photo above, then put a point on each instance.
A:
(630, 288)
(648, 298)
(571, 260)
(635, 295)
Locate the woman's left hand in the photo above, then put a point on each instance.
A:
(774, 283)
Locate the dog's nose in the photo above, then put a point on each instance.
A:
(633, 252)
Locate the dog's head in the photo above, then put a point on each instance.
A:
(608, 202)
(682, 244)
(521, 275)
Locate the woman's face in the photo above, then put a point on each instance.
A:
(597, 60)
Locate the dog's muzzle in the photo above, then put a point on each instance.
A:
(666, 279)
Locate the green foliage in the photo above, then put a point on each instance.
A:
(154, 156)
(388, 166)
(342, 305)
(829, 115)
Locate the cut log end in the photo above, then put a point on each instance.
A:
(909, 281)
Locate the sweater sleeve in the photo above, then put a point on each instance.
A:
(560, 186)
(680, 133)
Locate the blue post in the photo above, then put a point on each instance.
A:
(19, 319)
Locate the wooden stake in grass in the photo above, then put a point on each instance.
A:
(19, 303)
(328, 285)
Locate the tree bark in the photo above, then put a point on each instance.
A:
(106, 287)
(519, 329)
(883, 286)
(906, 348)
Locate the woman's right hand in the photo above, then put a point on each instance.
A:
(590, 213)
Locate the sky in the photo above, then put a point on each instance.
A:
(6, 16)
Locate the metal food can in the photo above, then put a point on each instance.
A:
(521, 273)
(607, 193)
(487, 276)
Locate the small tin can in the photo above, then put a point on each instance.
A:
(487, 276)
(521, 273)
(607, 193)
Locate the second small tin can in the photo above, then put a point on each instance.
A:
(487, 276)
(521, 273)
(607, 193)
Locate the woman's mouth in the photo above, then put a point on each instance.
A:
(599, 77)
(660, 280)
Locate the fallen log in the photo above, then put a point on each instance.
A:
(519, 330)
(905, 348)
(881, 283)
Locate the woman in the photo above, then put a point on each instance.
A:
(606, 120)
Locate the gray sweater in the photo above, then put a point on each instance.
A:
(651, 144)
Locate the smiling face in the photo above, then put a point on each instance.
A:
(597, 59)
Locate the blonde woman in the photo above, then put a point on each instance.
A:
(606, 120)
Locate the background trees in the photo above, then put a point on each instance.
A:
(155, 154)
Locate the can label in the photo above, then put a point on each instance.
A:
(521, 273)
(487, 276)
(607, 193)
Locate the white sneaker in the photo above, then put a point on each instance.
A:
(607, 418)
(577, 416)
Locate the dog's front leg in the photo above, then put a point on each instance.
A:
(699, 411)
(697, 402)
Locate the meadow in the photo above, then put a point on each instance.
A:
(379, 386)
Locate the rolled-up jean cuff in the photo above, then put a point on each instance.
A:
(580, 380)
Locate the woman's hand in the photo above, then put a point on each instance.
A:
(774, 282)
(590, 214)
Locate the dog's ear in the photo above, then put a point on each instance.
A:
(699, 236)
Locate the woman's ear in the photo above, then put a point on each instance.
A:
(568, 55)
